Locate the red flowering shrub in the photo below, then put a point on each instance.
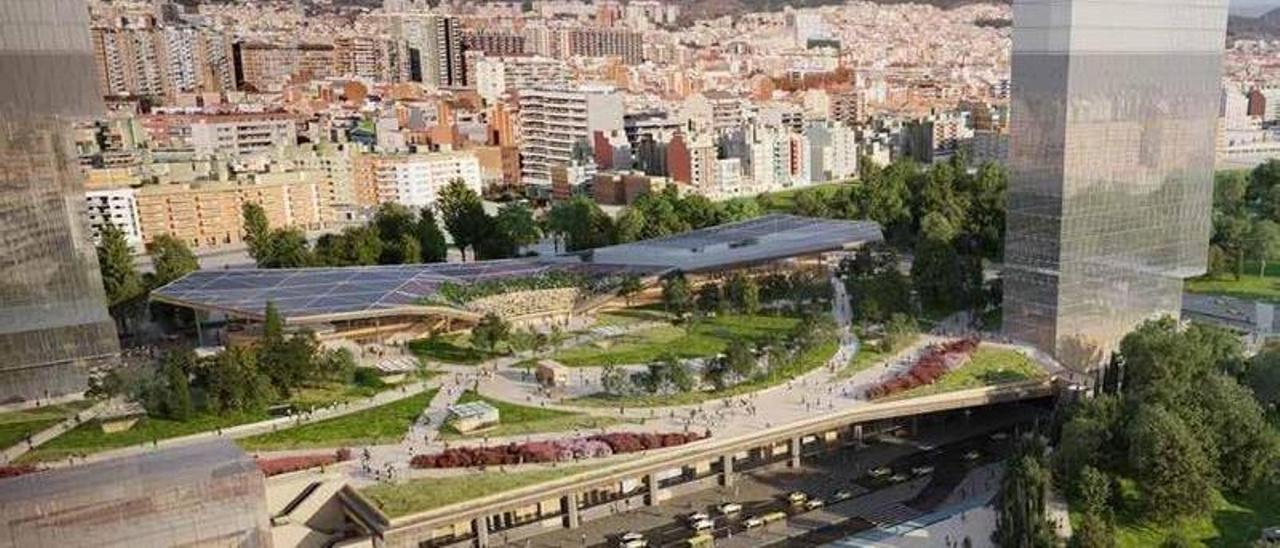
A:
(284, 465)
(551, 451)
(935, 362)
(15, 470)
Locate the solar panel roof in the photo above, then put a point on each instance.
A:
(319, 294)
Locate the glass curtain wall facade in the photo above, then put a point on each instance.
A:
(54, 324)
(1113, 115)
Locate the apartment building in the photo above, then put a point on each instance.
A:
(413, 180)
(553, 120)
(601, 42)
(208, 214)
(237, 135)
(119, 207)
(495, 76)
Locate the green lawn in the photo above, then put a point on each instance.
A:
(808, 361)
(784, 201)
(1250, 287)
(518, 420)
(425, 494)
(322, 394)
(867, 357)
(989, 366)
(630, 316)
(1236, 521)
(455, 349)
(15, 426)
(89, 437)
(707, 339)
(382, 424)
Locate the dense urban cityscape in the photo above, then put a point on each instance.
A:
(639, 273)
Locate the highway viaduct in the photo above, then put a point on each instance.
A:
(652, 478)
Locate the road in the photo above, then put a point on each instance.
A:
(875, 502)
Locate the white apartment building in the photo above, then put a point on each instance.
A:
(236, 135)
(552, 120)
(833, 151)
(769, 159)
(497, 75)
(118, 207)
(415, 180)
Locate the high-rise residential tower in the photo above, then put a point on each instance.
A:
(53, 320)
(1111, 157)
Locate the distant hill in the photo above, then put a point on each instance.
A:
(1265, 26)
(711, 9)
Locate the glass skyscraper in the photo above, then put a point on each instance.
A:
(1111, 154)
(54, 324)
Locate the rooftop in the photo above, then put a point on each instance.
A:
(312, 295)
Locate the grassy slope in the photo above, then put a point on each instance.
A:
(989, 366)
(17, 425)
(707, 339)
(1236, 521)
(454, 349)
(806, 362)
(424, 494)
(868, 357)
(518, 420)
(385, 423)
(89, 437)
(1249, 286)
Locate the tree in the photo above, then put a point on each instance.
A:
(743, 293)
(172, 259)
(1230, 425)
(515, 228)
(1021, 520)
(256, 228)
(284, 248)
(900, 329)
(1264, 377)
(177, 367)
(396, 228)
(739, 359)
(676, 298)
(1093, 531)
(463, 214)
(1230, 189)
(491, 331)
(431, 241)
(1093, 491)
(582, 224)
(120, 279)
(630, 287)
(614, 381)
(1169, 465)
(1160, 363)
(1264, 239)
(354, 246)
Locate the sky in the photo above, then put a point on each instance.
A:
(1253, 7)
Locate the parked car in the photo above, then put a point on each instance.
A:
(696, 516)
(633, 540)
(814, 503)
(701, 540)
(730, 508)
(879, 472)
(1271, 536)
(898, 478)
(797, 497)
(752, 522)
(971, 454)
(704, 524)
(922, 470)
(843, 494)
(773, 516)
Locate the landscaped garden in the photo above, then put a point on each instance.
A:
(871, 355)
(706, 338)
(1234, 520)
(89, 437)
(988, 366)
(1248, 286)
(516, 420)
(420, 495)
(454, 349)
(556, 450)
(15, 426)
(385, 423)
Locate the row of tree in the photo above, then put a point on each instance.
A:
(1173, 418)
(126, 287)
(239, 379)
(399, 235)
(583, 225)
(1246, 220)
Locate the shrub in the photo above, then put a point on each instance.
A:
(551, 451)
(937, 360)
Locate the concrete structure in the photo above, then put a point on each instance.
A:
(518, 514)
(1113, 123)
(554, 120)
(209, 214)
(53, 319)
(204, 494)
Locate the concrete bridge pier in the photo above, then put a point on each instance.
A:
(570, 503)
(726, 470)
(480, 526)
(796, 447)
(651, 485)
